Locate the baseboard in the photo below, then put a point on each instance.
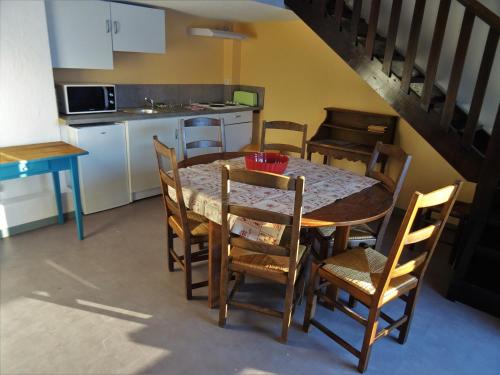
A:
(12, 231)
(146, 194)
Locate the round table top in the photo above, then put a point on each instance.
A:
(368, 205)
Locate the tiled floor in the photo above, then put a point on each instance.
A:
(107, 305)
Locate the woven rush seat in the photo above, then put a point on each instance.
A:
(362, 268)
(357, 232)
(274, 263)
(198, 225)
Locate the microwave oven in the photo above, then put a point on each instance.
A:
(85, 98)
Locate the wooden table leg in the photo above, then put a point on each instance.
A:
(339, 246)
(214, 259)
(340, 240)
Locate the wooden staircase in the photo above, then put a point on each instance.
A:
(433, 113)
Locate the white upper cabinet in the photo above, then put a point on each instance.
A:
(80, 34)
(84, 34)
(138, 29)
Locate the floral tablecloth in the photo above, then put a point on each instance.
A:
(324, 185)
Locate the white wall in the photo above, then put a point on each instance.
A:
(474, 52)
(28, 111)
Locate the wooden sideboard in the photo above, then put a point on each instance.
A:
(351, 135)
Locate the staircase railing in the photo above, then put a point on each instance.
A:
(473, 9)
(348, 19)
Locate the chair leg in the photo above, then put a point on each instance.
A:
(324, 244)
(170, 248)
(409, 309)
(188, 272)
(352, 302)
(288, 307)
(312, 298)
(369, 338)
(305, 275)
(223, 295)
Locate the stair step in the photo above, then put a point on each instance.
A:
(363, 31)
(481, 140)
(330, 10)
(436, 94)
(397, 69)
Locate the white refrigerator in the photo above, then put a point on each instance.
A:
(104, 180)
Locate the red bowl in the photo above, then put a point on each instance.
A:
(271, 162)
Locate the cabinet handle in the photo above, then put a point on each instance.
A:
(176, 133)
(237, 116)
(108, 26)
(116, 25)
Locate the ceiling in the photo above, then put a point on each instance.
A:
(228, 10)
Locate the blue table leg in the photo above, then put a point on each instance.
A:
(57, 190)
(76, 196)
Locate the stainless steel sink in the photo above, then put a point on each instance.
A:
(141, 111)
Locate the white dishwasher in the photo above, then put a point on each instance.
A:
(104, 180)
(237, 130)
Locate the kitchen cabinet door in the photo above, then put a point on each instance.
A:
(80, 34)
(138, 29)
(238, 136)
(144, 180)
(104, 179)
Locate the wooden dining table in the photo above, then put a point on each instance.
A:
(365, 206)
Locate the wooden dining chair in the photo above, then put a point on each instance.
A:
(284, 263)
(200, 123)
(191, 228)
(365, 234)
(283, 147)
(376, 280)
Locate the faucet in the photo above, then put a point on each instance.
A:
(150, 102)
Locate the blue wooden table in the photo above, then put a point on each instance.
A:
(52, 157)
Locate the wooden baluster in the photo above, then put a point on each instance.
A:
(435, 52)
(356, 14)
(411, 50)
(457, 68)
(372, 27)
(392, 32)
(480, 88)
(339, 8)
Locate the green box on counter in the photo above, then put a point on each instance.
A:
(245, 98)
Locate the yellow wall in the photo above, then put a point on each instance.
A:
(302, 75)
(187, 59)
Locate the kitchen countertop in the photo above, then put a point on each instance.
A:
(93, 118)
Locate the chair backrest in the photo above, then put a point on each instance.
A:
(282, 147)
(393, 153)
(429, 235)
(203, 122)
(269, 180)
(171, 179)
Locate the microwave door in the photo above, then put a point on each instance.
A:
(86, 99)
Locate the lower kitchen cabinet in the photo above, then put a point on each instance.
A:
(143, 169)
(237, 130)
(238, 136)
